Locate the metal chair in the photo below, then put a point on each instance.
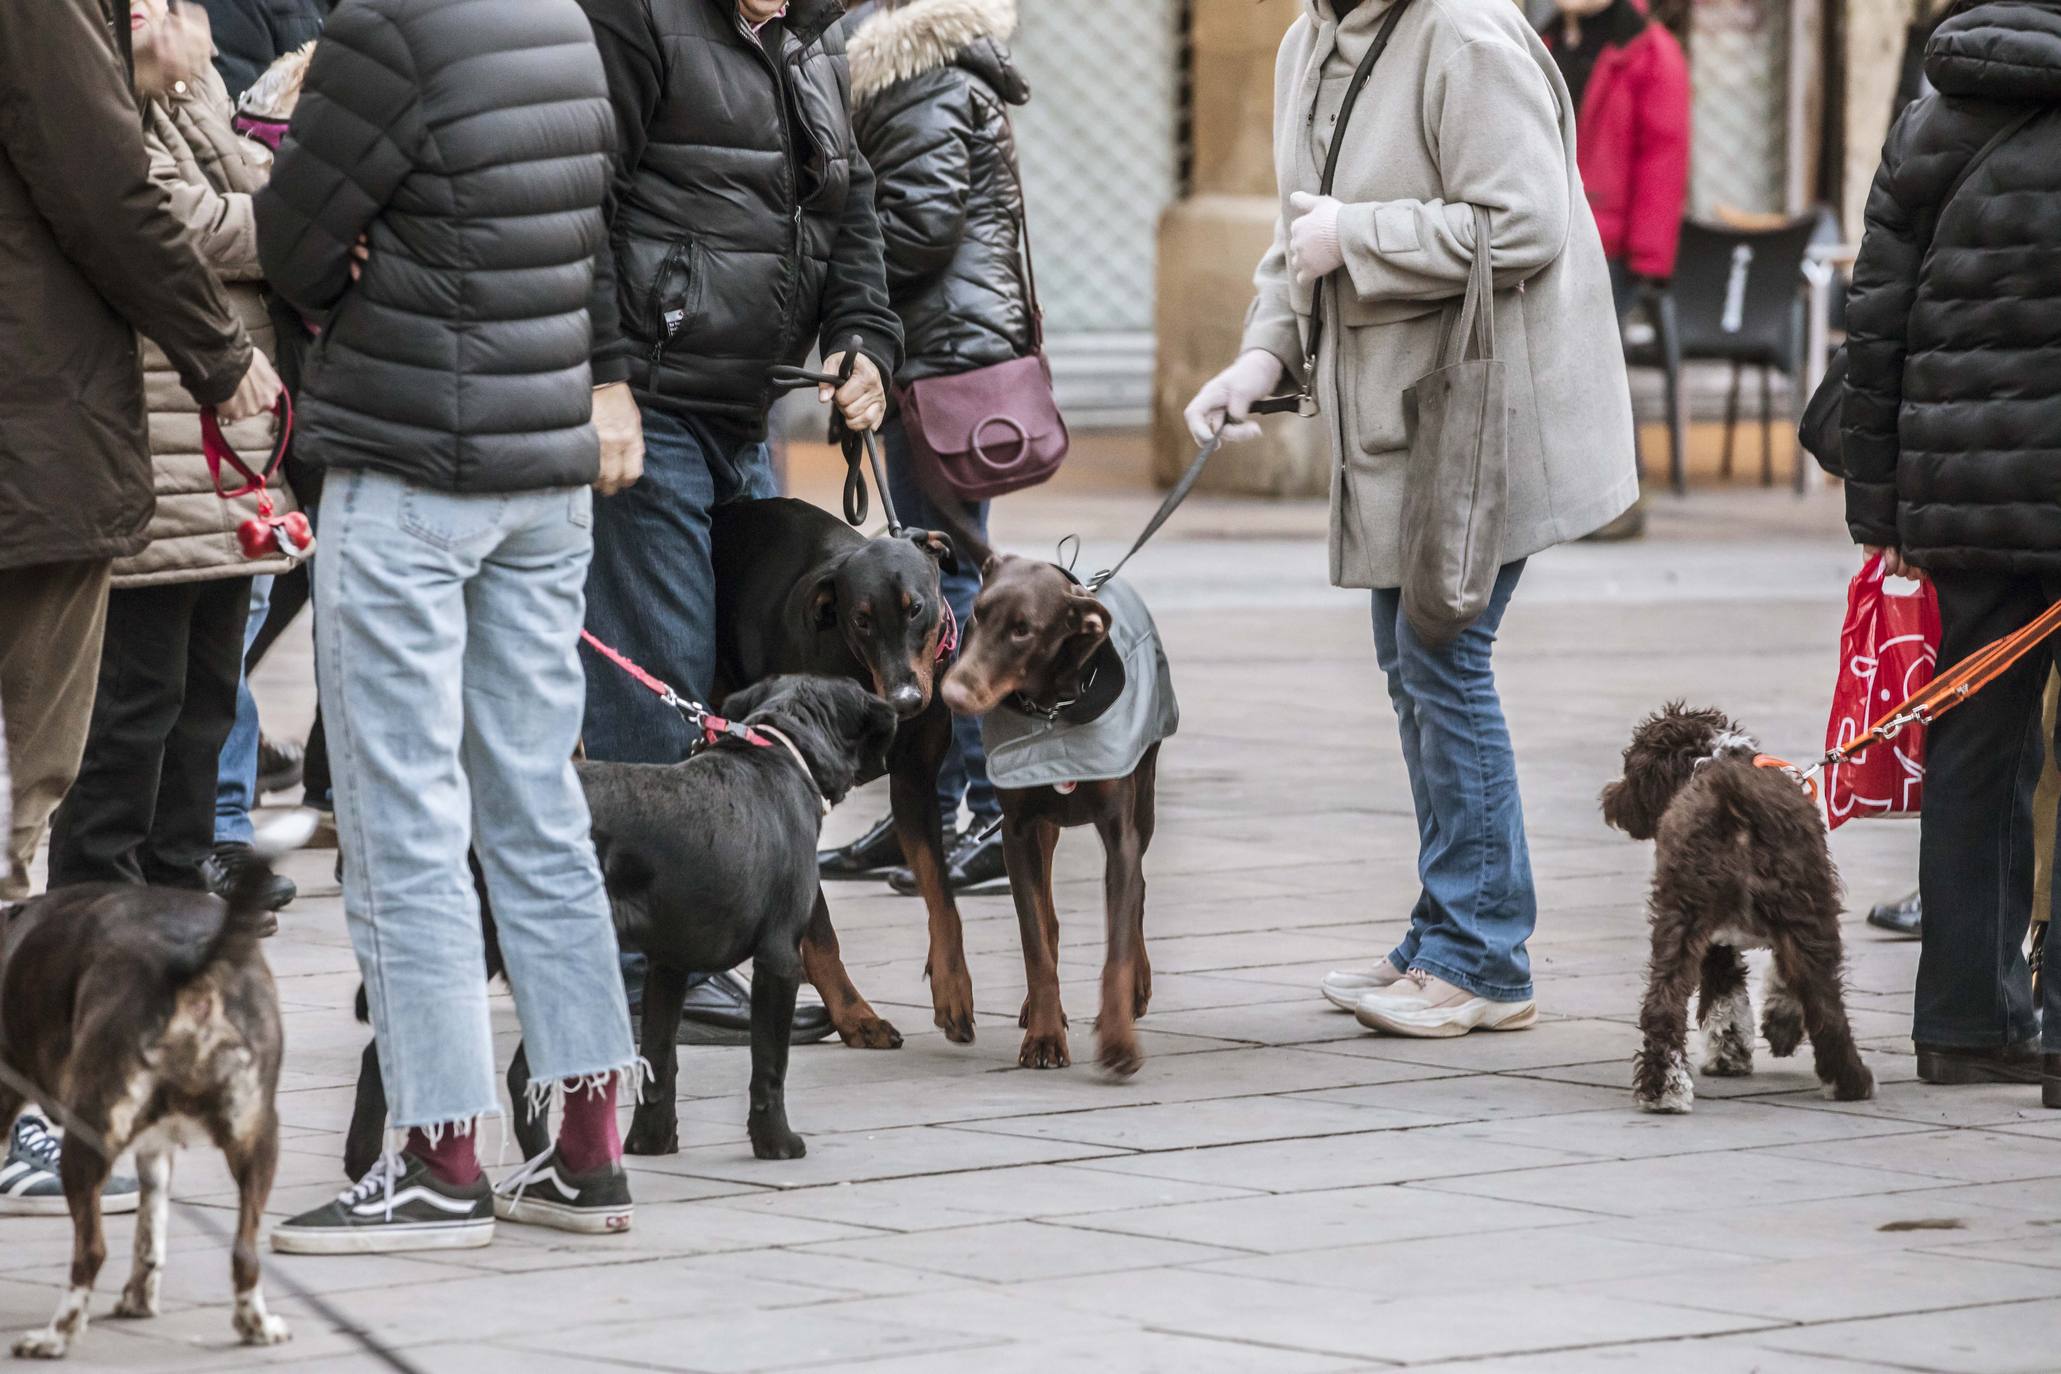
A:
(1737, 299)
(1664, 353)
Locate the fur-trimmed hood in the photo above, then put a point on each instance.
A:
(925, 35)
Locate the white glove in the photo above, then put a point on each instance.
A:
(1313, 249)
(1225, 401)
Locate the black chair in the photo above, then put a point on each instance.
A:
(1664, 353)
(1738, 299)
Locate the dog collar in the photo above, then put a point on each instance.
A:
(780, 738)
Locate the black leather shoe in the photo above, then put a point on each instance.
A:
(2050, 1081)
(869, 856)
(1956, 1067)
(219, 869)
(974, 863)
(280, 766)
(1903, 918)
(718, 1012)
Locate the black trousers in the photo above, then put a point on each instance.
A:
(143, 807)
(1982, 765)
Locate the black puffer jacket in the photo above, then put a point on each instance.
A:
(470, 140)
(743, 226)
(1953, 404)
(933, 85)
(252, 34)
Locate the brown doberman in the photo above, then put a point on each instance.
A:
(1034, 632)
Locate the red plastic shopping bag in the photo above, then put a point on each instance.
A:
(1887, 650)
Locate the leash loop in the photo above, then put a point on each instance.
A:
(854, 443)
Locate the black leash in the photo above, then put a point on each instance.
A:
(784, 379)
(205, 1221)
(1167, 507)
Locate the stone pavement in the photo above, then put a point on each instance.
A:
(1276, 1190)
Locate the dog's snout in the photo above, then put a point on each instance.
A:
(907, 699)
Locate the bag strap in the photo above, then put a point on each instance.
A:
(1477, 324)
(1996, 140)
(1315, 341)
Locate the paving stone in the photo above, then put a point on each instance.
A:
(1810, 1291)
(1680, 1183)
(1015, 1251)
(2004, 1338)
(1315, 1222)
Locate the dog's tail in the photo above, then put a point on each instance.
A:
(248, 920)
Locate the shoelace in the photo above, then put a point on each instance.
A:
(1417, 976)
(34, 1142)
(517, 1183)
(380, 1178)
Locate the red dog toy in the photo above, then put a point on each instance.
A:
(266, 533)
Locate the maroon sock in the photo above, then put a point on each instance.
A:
(587, 1138)
(452, 1158)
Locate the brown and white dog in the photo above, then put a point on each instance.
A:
(1740, 862)
(145, 1018)
(1034, 632)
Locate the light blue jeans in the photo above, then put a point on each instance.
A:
(446, 653)
(1478, 905)
(236, 783)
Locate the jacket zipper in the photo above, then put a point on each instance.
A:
(655, 302)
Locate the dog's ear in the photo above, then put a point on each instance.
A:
(1088, 621)
(744, 701)
(987, 569)
(938, 545)
(823, 603)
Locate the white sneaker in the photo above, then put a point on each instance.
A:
(1344, 987)
(1430, 1008)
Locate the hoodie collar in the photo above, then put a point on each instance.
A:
(929, 35)
(2004, 50)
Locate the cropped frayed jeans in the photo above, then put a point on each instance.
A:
(447, 660)
(1478, 906)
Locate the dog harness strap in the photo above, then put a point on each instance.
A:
(948, 632)
(799, 762)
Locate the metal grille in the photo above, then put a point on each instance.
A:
(1739, 61)
(1100, 143)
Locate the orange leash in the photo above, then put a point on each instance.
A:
(1948, 689)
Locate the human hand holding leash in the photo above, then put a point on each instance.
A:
(862, 399)
(1224, 405)
(621, 429)
(1313, 248)
(257, 393)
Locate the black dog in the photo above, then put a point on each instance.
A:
(708, 863)
(1740, 862)
(152, 1014)
(797, 591)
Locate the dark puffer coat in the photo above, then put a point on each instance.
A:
(1953, 402)
(251, 34)
(933, 85)
(470, 140)
(743, 226)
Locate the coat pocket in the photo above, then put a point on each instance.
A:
(660, 289)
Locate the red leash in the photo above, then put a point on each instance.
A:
(712, 726)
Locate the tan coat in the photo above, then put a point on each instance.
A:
(1465, 108)
(210, 172)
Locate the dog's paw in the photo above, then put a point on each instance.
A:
(1728, 1055)
(1120, 1056)
(256, 1326)
(956, 1023)
(46, 1344)
(1782, 1028)
(138, 1300)
(1023, 1017)
(871, 1033)
(778, 1145)
(1044, 1051)
(1674, 1094)
(1850, 1088)
(648, 1137)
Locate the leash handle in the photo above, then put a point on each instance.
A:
(1166, 509)
(785, 378)
(216, 450)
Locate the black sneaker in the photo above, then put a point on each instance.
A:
(280, 766)
(976, 863)
(544, 1192)
(869, 856)
(399, 1206)
(29, 1185)
(718, 1012)
(220, 868)
(1905, 917)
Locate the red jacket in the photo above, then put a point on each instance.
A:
(1632, 143)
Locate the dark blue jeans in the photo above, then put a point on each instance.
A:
(651, 592)
(965, 772)
(1478, 905)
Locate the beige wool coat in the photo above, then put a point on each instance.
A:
(210, 172)
(1465, 108)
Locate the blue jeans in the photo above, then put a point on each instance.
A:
(652, 590)
(447, 658)
(1478, 905)
(964, 776)
(236, 785)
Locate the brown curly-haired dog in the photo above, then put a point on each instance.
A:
(1740, 862)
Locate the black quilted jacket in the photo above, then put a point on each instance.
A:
(933, 85)
(1953, 405)
(743, 225)
(470, 140)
